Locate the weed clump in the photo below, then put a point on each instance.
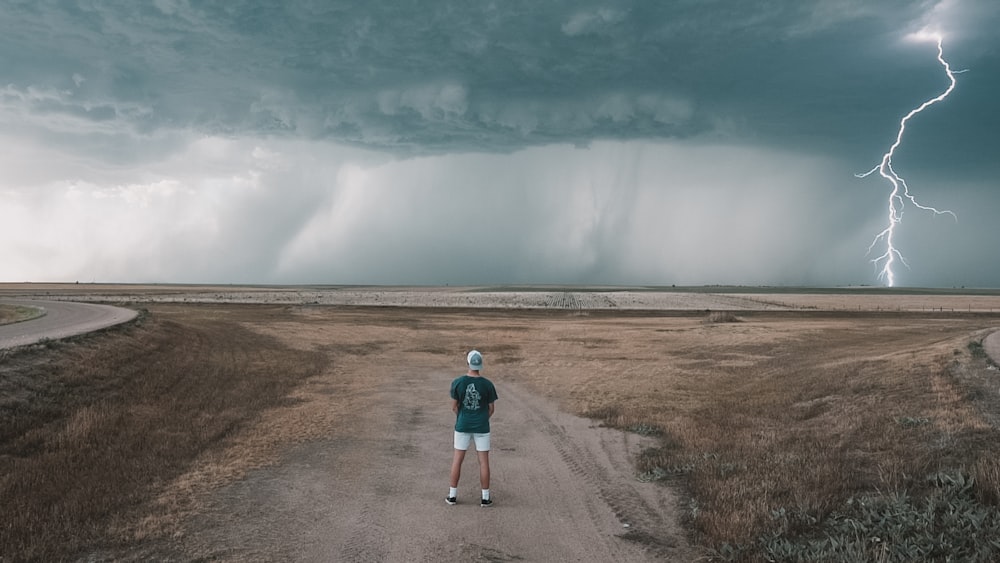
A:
(723, 317)
(977, 350)
(645, 429)
(948, 523)
(913, 421)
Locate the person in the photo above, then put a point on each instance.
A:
(472, 398)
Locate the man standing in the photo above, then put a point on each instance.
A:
(472, 397)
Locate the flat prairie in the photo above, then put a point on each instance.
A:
(314, 424)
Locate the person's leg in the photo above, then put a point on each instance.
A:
(462, 441)
(483, 453)
(456, 467)
(484, 469)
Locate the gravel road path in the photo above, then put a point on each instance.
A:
(564, 490)
(992, 346)
(61, 319)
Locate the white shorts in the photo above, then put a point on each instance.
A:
(462, 440)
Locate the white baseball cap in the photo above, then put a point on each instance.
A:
(475, 360)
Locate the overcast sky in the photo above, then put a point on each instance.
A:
(688, 142)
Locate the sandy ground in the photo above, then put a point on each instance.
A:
(364, 471)
(563, 491)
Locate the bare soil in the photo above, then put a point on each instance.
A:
(349, 461)
(357, 468)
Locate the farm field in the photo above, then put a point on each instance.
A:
(281, 423)
(534, 297)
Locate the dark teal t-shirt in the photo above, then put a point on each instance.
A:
(474, 395)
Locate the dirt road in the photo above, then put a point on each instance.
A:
(351, 464)
(992, 346)
(564, 490)
(61, 319)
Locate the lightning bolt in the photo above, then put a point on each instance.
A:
(900, 192)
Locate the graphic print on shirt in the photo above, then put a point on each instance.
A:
(471, 401)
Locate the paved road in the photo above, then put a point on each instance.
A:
(62, 319)
(992, 346)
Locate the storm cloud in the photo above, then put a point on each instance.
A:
(476, 142)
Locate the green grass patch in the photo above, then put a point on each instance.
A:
(17, 313)
(977, 350)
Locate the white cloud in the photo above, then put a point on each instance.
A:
(959, 21)
(274, 211)
(616, 212)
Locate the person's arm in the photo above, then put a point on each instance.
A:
(491, 410)
(454, 406)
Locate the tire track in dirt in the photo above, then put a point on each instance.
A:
(601, 458)
(564, 490)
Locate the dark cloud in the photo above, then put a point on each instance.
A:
(418, 78)
(694, 141)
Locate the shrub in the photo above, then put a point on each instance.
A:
(723, 317)
(977, 350)
(946, 524)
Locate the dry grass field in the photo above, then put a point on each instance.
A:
(92, 428)
(790, 435)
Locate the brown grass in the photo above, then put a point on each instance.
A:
(779, 411)
(791, 412)
(91, 429)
